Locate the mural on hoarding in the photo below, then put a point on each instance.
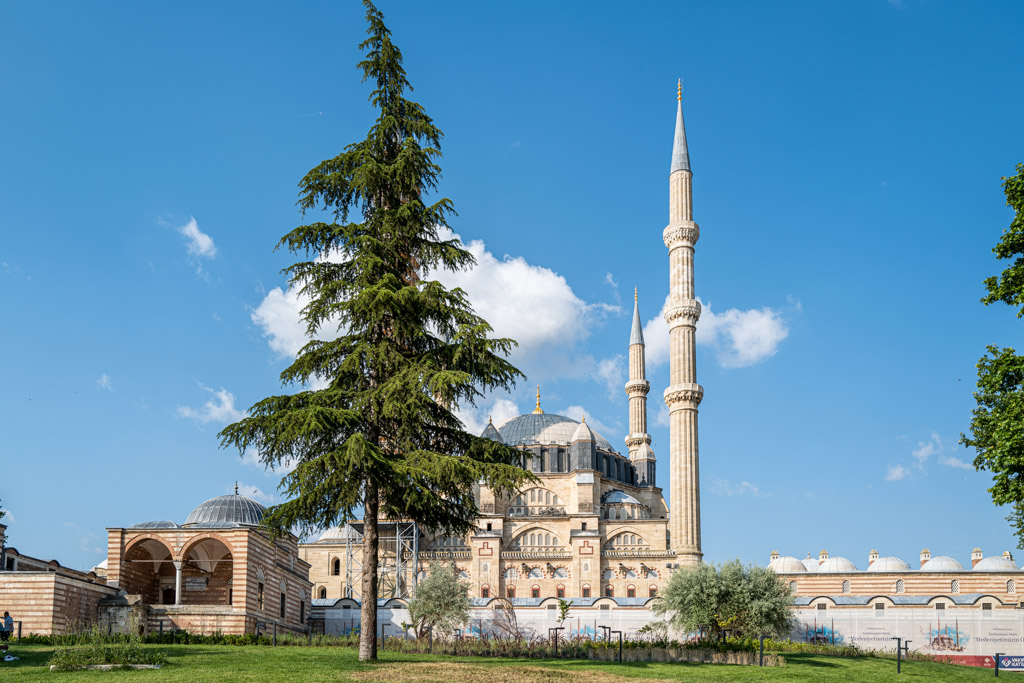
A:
(945, 638)
(822, 635)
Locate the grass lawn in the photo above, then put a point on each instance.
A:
(193, 663)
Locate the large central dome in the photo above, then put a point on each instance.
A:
(544, 428)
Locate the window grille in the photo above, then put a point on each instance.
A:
(954, 586)
(846, 586)
(1011, 586)
(900, 587)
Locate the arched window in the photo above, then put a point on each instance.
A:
(652, 574)
(485, 591)
(652, 591)
(792, 586)
(630, 574)
(463, 575)
(630, 591)
(511, 573)
(535, 591)
(336, 569)
(954, 586)
(846, 586)
(1011, 586)
(561, 573)
(900, 586)
(536, 573)
(323, 593)
(586, 590)
(560, 591)
(510, 592)
(609, 592)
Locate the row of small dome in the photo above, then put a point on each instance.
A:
(823, 564)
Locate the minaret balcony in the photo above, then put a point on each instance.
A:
(681, 234)
(638, 386)
(684, 395)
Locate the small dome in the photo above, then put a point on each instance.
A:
(995, 563)
(942, 563)
(810, 563)
(619, 496)
(228, 509)
(888, 564)
(786, 565)
(339, 533)
(837, 565)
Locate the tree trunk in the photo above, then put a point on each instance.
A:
(368, 610)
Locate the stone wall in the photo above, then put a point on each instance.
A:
(48, 603)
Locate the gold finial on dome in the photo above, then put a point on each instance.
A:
(537, 410)
(679, 91)
(584, 420)
(236, 488)
(489, 420)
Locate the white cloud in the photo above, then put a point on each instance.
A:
(220, 408)
(104, 382)
(251, 459)
(499, 411)
(926, 449)
(250, 491)
(722, 487)
(738, 338)
(612, 373)
(198, 243)
(957, 463)
(532, 304)
(579, 412)
(896, 473)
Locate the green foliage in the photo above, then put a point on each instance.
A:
(997, 423)
(122, 654)
(563, 610)
(441, 602)
(395, 352)
(708, 599)
(1009, 286)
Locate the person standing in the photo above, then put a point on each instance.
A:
(8, 627)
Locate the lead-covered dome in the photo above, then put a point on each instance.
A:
(888, 564)
(787, 565)
(226, 510)
(837, 565)
(942, 563)
(995, 563)
(545, 428)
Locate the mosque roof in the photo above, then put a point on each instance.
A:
(636, 335)
(787, 565)
(224, 510)
(680, 154)
(619, 496)
(163, 524)
(544, 428)
(942, 563)
(810, 563)
(837, 565)
(995, 563)
(340, 533)
(490, 432)
(888, 564)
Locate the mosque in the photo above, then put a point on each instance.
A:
(595, 530)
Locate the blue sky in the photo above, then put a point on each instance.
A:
(847, 162)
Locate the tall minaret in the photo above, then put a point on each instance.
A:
(683, 394)
(638, 441)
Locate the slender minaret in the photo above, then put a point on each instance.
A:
(638, 441)
(683, 394)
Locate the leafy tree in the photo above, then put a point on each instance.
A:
(441, 602)
(563, 610)
(708, 599)
(380, 436)
(997, 424)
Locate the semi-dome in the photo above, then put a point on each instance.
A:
(786, 565)
(545, 428)
(837, 565)
(339, 533)
(888, 564)
(942, 563)
(995, 563)
(810, 563)
(619, 496)
(227, 509)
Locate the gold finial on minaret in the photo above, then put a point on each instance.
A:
(634, 295)
(537, 410)
(679, 91)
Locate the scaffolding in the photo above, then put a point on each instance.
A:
(397, 560)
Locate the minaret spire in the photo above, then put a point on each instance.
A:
(683, 394)
(537, 410)
(638, 440)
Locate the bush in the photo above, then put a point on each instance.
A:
(121, 654)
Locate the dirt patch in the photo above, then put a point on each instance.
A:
(447, 672)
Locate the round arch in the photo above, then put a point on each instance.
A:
(534, 536)
(147, 569)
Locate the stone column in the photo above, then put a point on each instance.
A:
(177, 582)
